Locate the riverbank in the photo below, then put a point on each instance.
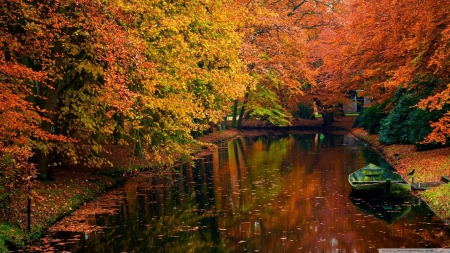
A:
(70, 188)
(428, 166)
(74, 186)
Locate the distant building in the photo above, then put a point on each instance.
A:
(356, 103)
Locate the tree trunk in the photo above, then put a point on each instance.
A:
(241, 114)
(29, 209)
(225, 123)
(43, 159)
(233, 123)
(117, 134)
(211, 127)
(328, 118)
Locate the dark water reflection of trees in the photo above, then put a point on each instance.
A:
(263, 194)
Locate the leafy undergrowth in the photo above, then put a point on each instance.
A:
(428, 166)
(50, 201)
(10, 234)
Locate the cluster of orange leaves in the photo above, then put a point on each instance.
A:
(381, 46)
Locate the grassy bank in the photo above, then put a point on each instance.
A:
(50, 201)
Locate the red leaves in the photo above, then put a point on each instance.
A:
(441, 130)
(378, 47)
(385, 43)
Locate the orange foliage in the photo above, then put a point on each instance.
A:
(277, 34)
(384, 44)
(380, 46)
(75, 73)
(49, 51)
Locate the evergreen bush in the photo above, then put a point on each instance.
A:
(305, 112)
(407, 124)
(370, 117)
(395, 128)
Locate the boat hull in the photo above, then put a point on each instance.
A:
(380, 190)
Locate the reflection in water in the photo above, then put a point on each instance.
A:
(266, 194)
(387, 210)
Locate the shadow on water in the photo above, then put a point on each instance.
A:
(286, 193)
(387, 210)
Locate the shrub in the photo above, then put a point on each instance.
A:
(10, 234)
(407, 124)
(370, 117)
(305, 112)
(395, 128)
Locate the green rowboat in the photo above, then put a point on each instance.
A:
(375, 181)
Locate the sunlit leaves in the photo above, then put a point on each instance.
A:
(195, 51)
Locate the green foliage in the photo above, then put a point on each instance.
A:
(395, 128)
(274, 116)
(265, 104)
(10, 234)
(407, 124)
(305, 111)
(419, 124)
(370, 118)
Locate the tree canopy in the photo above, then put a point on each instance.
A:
(79, 74)
(382, 46)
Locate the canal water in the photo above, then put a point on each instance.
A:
(284, 193)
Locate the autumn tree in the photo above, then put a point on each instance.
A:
(277, 34)
(140, 73)
(21, 119)
(65, 74)
(381, 46)
(195, 50)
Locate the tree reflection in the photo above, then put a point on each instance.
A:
(268, 194)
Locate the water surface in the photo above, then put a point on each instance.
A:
(286, 193)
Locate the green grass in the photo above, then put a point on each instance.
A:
(347, 114)
(438, 199)
(12, 234)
